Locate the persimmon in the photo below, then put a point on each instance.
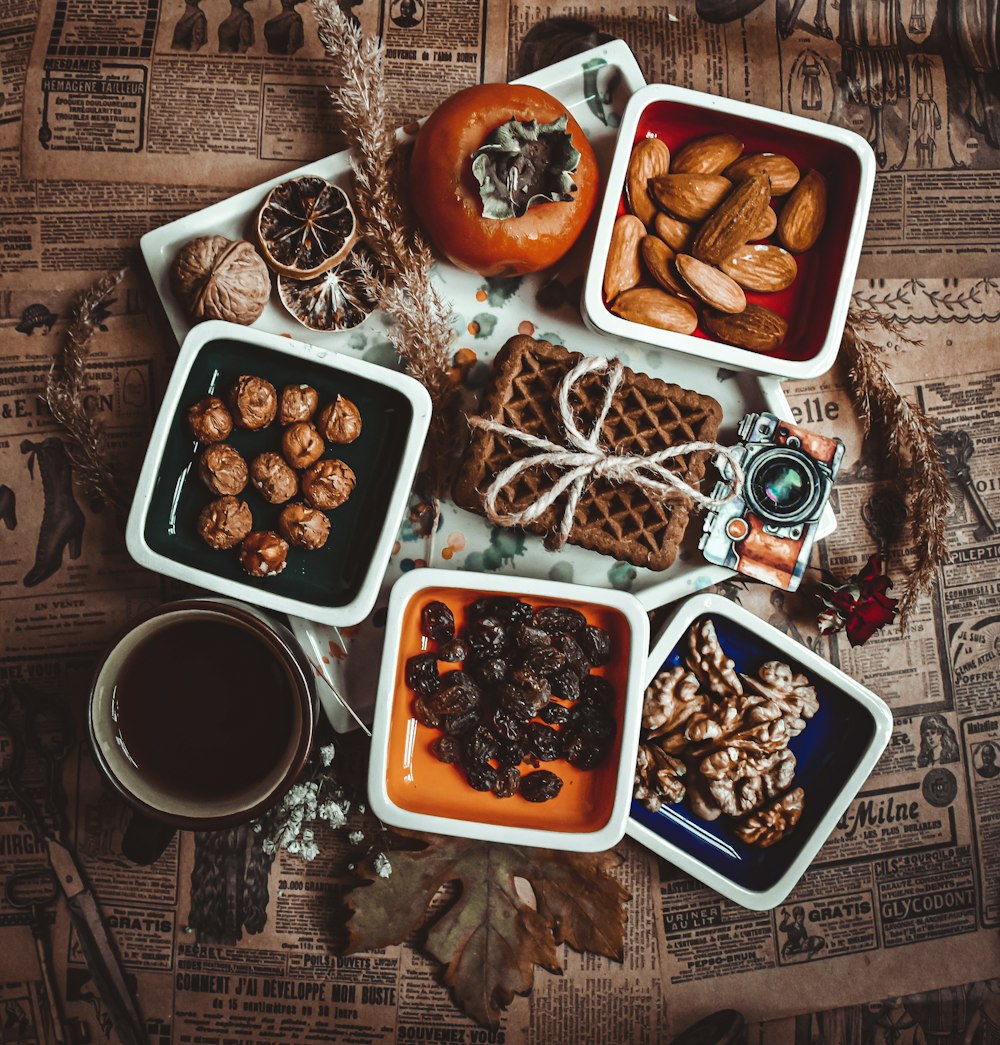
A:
(502, 179)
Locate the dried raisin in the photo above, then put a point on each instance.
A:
(454, 651)
(559, 620)
(481, 776)
(593, 687)
(566, 685)
(540, 786)
(505, 785)
(423, 714)
(437, 622)
(454, 700)
(502, 607)
(553, 713)
(544, 661)
(422, 673)
(596, 644)
(543, 742)
(447, 749)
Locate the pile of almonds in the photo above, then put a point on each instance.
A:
(697, 236)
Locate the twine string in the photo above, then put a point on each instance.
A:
(582, 459)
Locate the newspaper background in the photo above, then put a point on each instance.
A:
(206, 975)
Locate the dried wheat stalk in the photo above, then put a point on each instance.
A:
(911, 443)
(422, 331)
(65, 395)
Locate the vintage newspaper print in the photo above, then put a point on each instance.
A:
(917, 79)
(217, 93)
(906, 884)
(225, 945)
(958, 1015)
(17, 30)
(66, 580)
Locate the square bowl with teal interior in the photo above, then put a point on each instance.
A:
(410, 786)
(336, 584)
(815, 304)
(834, 755)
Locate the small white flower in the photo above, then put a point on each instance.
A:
(355, 837)
(268, 846)
(294, 846)
(309, 851)
(326, 754)
(307, 834)
(382, 866)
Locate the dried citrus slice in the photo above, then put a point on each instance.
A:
(306, 226)
(334, 300)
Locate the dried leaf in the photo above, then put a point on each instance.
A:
(489, 938)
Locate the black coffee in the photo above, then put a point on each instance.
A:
(205, 709)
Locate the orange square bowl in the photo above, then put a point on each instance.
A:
(409, 787)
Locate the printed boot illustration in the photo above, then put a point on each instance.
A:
(8, 501)
(62, 520)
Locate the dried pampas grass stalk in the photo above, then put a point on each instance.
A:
(422, 331)
(65, 395)
(910, 440)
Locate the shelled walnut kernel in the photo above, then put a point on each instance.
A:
(720, 738)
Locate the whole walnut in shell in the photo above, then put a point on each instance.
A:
(219, 278)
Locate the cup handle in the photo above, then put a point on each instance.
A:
(145, 840)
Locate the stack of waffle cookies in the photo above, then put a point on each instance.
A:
(646, 415)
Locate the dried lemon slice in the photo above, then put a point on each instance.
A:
(306, 226)
(334, 300)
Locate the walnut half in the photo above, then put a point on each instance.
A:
(774, 821)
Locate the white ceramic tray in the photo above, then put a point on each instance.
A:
(595, 86)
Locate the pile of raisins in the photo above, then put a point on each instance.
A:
(523, 693)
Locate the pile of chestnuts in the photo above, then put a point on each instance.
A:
(295, 468)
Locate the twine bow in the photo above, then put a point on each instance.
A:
(582, 460)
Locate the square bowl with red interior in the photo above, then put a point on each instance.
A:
(806, 263)
(508, 709)
(752, 752)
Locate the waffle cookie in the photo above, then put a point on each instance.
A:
(646, 415)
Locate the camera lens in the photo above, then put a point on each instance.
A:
(782, 485)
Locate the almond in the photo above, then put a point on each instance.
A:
(732, 223)
(674, 232)
(656, 308)
(756, 328)
(803, 215)
(783, 173)
(709, 155)
(650, 158)
(690, 197)
(715, 288)
(659, 261)
(762, 267)
(622, 270)
(767, 225)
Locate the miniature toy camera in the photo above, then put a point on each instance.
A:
(768, 532)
